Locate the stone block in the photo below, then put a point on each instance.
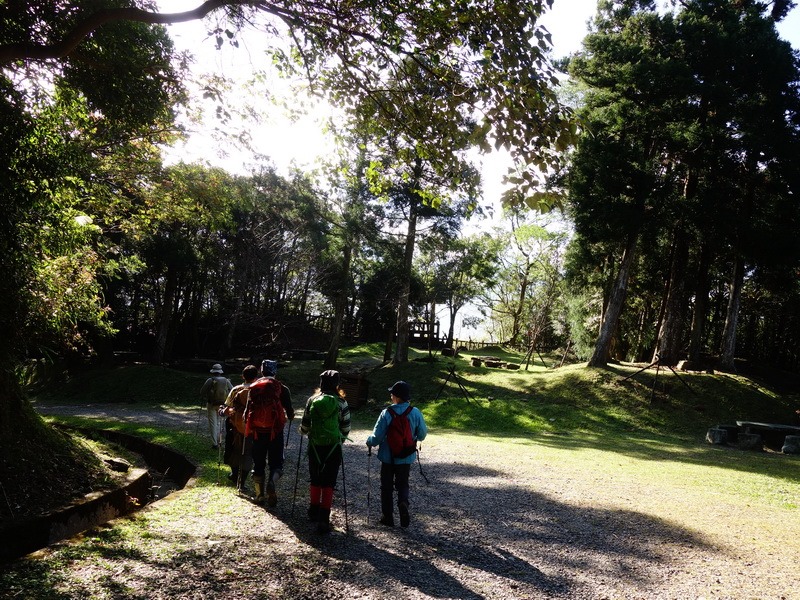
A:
(718, 436)
(791, 445)
(750, 441)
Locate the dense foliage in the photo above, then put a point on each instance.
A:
(684, 186)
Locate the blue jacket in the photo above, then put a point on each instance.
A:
(378, 438)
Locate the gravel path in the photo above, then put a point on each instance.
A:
(499, 519)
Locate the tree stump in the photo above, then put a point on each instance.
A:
(512, 366)
(477, 362)
(718, 436)
(750, 441)
(791, 445)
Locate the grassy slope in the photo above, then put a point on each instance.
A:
(572, 398)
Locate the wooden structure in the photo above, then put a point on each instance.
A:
(424, 333)
(356, 389)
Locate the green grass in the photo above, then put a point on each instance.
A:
(569, 399)
(572, 408)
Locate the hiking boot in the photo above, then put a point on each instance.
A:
(258, 484)
(313, 513)
(324, 521)
(405, 518)
(272, 497)
(387, 521)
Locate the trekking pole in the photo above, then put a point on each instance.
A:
(297, 474)
(288, 431)
(344, 494)
(369, 482)
(419, 464)
(219, 449)
(239, 472)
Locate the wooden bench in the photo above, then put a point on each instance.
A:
(304, 354)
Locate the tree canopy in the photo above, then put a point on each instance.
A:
(487, 59)
(692, 124)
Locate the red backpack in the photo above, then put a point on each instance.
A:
(398, 435)
(264, 412)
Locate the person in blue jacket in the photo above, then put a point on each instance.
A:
(395, 470)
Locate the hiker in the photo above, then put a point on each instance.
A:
(396, 461)
(326, 421)
(215, 391)
(267, 444)
(238, 451)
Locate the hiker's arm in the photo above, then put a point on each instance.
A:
(231, 395)
(305, 422)
(421, 429)
(344, 417)
(379, 431)
(286, 401)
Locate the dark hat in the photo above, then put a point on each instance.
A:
(402, 390)
(329, 380)
(269, 368)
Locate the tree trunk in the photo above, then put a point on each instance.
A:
(732, 317)
(387, 349)
(401, 349)
(671, 332)
(700, 305)
(516, 325)
(615, 303)
(165, 320)
(451, 330)
(339, 309)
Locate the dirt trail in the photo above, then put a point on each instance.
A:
(498, 520)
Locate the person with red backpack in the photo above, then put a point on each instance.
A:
(326, 422)
(397, 431)
(238, 455)
(269, 405)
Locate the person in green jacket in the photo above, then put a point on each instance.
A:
(326, 422)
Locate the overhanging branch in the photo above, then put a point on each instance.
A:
(37, 52)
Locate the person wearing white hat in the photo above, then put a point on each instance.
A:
(214, 391)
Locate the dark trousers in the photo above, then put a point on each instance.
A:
(267, 450)
(393, 477)
(323, 464)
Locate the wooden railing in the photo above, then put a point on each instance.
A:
(470, 345)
